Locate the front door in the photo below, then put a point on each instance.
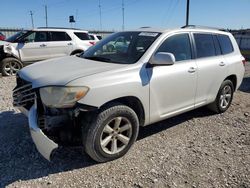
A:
(173, 88)
(35, 47)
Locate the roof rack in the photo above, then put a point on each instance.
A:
(56, 28)
(203, 27)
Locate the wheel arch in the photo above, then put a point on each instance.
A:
(132, 102)
(233, 79)
(76, 51)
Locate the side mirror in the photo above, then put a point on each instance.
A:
(162, 58)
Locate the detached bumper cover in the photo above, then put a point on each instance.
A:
(43, 144)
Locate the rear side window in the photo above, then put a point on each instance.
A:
(82, 36)
(217, 45)
(99, 37)
(60, 36)
(91, 37)
(179, 45)
(225, 44)
(204, 45)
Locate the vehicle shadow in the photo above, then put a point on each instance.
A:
(19, 159)
(245, 86)
(171, 122)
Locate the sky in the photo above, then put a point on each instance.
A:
(230, 14)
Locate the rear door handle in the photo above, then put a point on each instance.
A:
(191, 70)
(222, 64)
(70, 44)
(43, 45)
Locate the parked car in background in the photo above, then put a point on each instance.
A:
(95, 37)
(101, 98)
(29, 46)
(2, 36)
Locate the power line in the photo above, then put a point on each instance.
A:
(32, 21)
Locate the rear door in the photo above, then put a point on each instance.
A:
(212, 67)
(60, 44)
(35, 47)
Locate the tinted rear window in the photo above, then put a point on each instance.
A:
(60, 36)
(82, 36)
(225, 44)
(99, 37)
(204, 45)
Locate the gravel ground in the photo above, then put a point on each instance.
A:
(196, 149)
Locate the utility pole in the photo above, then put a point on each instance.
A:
(31, 15)
(187, 14)
(100, 12)
(46, 15)
(123, 25)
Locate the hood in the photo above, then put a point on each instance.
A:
(61, 71)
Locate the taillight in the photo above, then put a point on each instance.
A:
(244, 62)
(92, 43)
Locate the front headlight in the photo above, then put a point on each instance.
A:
(62, 97)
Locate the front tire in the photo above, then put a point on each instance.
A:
(10, 66)
(224, 98)
(111, 134)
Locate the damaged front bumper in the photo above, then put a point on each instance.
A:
(43, 144)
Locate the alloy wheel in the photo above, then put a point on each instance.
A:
(116, 135)
(11, 68)
(225, 96)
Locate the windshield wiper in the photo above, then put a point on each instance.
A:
(97, 58)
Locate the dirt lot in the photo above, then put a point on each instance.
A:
(196, 149)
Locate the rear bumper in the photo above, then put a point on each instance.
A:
(43, 144)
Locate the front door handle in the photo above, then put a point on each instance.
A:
(191, 70)
(43, 45)
(70, 44)
(222, 64)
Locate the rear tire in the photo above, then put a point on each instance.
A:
(10, 66)
(76, 53)
(224, 98)
(111, 133)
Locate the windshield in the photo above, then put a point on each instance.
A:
(16, 36)
(122, 47)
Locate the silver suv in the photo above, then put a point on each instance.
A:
(39, 44)
(102, 98)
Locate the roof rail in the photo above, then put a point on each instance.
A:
(56, 28)
(203, 27)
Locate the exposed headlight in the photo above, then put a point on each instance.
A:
(62, 97)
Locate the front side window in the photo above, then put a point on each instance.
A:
(178, 45)
(226, 44)
(122, 48)
(60, 36)
(204, 45)
(37, 36)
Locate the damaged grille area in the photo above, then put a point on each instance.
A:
(24, 96)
